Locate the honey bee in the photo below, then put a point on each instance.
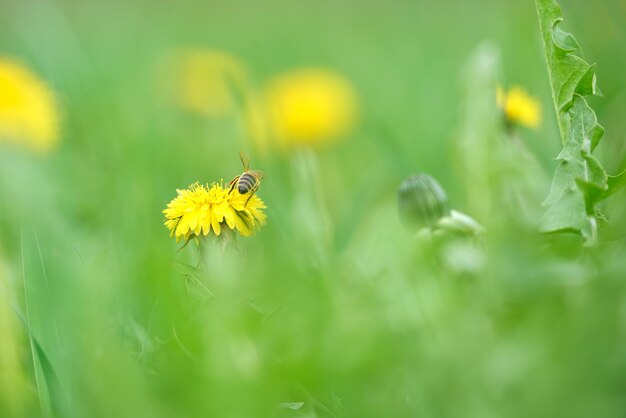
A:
(247, 182)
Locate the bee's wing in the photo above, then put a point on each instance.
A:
(259, 175)
(245, 160)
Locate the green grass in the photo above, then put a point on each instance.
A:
(333, 309)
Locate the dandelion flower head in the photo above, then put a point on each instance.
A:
(519, 107)
(203, 81)
(310, 106)
(201, 210)
(28, 112)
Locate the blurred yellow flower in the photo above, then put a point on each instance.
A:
(200, 209)
(204, 81)
(310, 106)
(28, 112)
(519, 107)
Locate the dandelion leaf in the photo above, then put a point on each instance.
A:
(568, 214)
(615, 183)
(580, 182)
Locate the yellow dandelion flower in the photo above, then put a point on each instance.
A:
(310, 106)
(203, 81)
(28, 112)
(199, 210)
(519, 107)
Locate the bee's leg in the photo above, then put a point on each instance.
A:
(232, 184)
(252, 192)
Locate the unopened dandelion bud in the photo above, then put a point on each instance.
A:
(422, 201)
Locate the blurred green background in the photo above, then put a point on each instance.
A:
(332, 309)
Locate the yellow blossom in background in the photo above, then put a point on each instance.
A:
(203, 81)
(310, 106)
(519, 107)
(28, 112)
(199, 210)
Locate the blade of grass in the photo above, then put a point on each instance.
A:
(36, 352)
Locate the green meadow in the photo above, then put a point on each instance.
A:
(335, 307)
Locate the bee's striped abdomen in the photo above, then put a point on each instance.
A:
(246, 183)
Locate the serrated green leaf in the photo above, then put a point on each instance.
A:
(568, 214)
(583, 125)
(570, 74)
(592, 193)
(594, 174)
(615, 183)
(587, 83)
(565, 41)
(564, 179)
(580, 182)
